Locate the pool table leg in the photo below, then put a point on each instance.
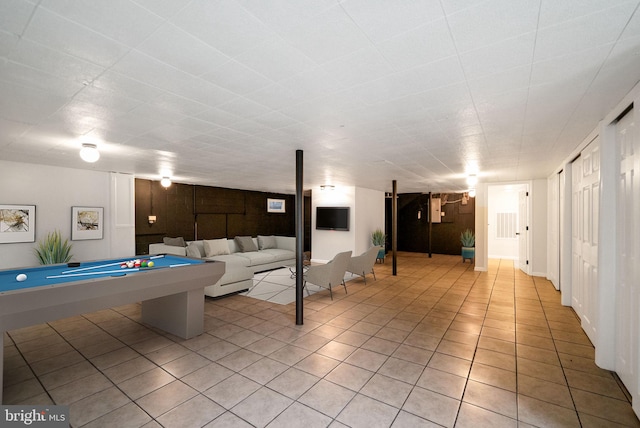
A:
(180, 314)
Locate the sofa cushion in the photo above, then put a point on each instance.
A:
(193, 251)
(232, 260)
(280, 255)
(215, 247)
(245, 244)
(256, 258)
(174, 242)
(266, 242)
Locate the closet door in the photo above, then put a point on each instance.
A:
(586, 199)
(627, 298)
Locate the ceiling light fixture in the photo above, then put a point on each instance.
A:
(165, 182)
(327, 187)
(472, 193)
(89, 153)
(472, 179)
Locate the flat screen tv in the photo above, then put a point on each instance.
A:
(332, 218)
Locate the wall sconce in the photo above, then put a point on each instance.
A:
(152, 219)
(472, 193)
(327, 187)
(89, 153)
(165, 182)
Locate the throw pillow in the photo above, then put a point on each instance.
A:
(193, 251)
(245, 244)
(215, 247)
(266, 242)
(174, 242)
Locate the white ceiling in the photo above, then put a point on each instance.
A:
(223, 92)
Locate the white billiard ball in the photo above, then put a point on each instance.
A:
(21, 277)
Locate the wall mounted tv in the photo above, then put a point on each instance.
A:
(332, 218)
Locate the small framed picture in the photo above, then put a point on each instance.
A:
(275, 205)
(87, 223)
(17, 223)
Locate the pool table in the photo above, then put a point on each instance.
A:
(171, 292)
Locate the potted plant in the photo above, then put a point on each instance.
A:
(53, 249)
(468, 241)
(379, 239)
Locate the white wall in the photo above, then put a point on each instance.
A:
(54, 191)
(482, 211)
(366, 214)
(369, 217)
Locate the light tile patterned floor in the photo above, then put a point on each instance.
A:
(437, 345)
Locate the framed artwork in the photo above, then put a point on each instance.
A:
(87, 223)
(17, 223)
(275, 205)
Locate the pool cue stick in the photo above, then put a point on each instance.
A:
(121, 271)
(105, 265)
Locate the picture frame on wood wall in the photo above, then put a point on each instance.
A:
(276, 205)
(17, 223)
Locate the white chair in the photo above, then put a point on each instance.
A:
(363, 264)
(329, 274)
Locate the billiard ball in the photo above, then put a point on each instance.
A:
(21, 277)
(144, 263)
(150, 264)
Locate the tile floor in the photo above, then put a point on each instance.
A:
(437, 345)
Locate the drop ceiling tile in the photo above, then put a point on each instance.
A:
(359, 67)
(582, 33)
(379, 22)
(422, 45)
(15, 14)
(557, 12)
(27, 104)
(284, 15)
(500, 56)
(8, 41)
(492, 21)
(327, 36)
(120, 20)
(176, 47)
(244, 107)
(55, 63)
(119, 83)
(225, 25)
(486, 88)
(163, 8)
(276, 59)
(237, 78)
(19, 74)
(580, 66)
(60, 33)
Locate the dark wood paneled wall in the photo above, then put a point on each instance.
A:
(205, 212)
(413, 233)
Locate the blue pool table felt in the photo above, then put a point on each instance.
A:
(37, 276)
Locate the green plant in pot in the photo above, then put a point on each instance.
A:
(379, 239)
(468, 241)
(53, 249)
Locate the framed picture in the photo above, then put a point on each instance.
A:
(87, 223)
(17, 223)
(275, 205)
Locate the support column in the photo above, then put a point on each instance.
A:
(394, 226)
(299, 215)
(430, 222)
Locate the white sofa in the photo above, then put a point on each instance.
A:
(240, 266)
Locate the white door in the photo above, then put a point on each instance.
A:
(523, 230)
(626, 365)
(586, 194)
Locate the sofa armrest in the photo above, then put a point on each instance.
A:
(167, 249)
(286, 243)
